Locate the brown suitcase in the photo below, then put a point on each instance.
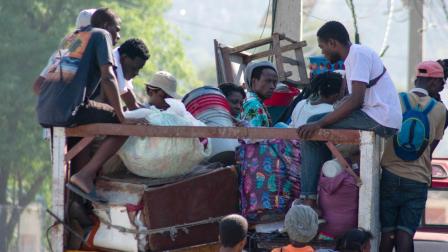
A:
(210, 195)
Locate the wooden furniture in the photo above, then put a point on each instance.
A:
(231, 61)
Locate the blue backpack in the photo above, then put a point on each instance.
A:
(413, 137)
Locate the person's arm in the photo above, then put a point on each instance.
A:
(41, 78)
(130, 100)
(103, 51)
(354, 101)
(440, 130)
(37, 84)
(434, 146)
(110, 87)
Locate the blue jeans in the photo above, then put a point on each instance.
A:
(315, 153)
(402, 202)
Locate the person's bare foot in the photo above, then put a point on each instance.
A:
(83, 183)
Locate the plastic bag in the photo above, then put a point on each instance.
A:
(162, 157)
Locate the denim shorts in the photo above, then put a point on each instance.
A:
(402, 202)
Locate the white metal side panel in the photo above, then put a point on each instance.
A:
(368, 214)
(58, 185)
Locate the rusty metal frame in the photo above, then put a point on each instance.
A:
(336, 136)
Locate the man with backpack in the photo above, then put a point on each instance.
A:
(406, 162)
(84, 64)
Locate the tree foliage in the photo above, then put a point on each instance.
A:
(32, 30)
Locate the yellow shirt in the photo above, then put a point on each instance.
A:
(420, 169)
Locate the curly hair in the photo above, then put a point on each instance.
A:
(326, 84)
(134, 48)
(228, 88)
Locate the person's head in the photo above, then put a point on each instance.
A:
(235, 95)
(355, 240)
(83, 18)
(430, 76)
(444, 64)
(261, 78)
(105, 19)
(162, 85)
(133, 56)
(327, 86)
(333, 40)
(301, 223)
(233, 232)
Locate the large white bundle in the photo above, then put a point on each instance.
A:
(160, 157)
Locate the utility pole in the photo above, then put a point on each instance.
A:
(415, 53)
(287, 19)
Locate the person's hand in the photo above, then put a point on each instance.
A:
(308, 130)
(138, 121)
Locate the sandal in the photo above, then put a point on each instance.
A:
(91, 196)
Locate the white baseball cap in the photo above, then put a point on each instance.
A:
(84, 17)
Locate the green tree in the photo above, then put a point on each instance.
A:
(31, 31)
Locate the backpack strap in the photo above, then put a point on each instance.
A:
(429, 107)
(407, 104)
(375, 81)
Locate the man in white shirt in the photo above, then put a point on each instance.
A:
(129, 58)
(372, 104)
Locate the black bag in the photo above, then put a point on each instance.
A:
(65, 89)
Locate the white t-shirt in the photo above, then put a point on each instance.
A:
(381, 102)
(304, 110)
(123, 84)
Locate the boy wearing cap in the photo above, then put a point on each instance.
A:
(301, 224)
(232, 233)
(404, 183)
(162, 85)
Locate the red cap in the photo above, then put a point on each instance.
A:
(430, 69)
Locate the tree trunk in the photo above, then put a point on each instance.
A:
(9, 224)
(3, 208)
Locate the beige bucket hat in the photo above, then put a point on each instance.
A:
(165, 81)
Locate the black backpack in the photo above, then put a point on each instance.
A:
(64, 91)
